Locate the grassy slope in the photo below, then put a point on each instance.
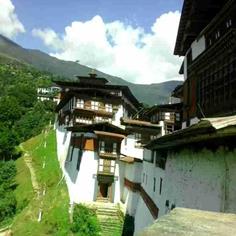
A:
(55, 220)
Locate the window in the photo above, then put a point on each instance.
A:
(177, 116)
(161, 159)
(146, 179)
(152, 137)
(228, 23)
(113, 163)
(114, 148)
(167, 116)
(79, 103)
(152, 155)
(143, 177)
(210, 42)
(99, 119)
(94, 105)
(83, 120)
(102, 146)
(100, 168)
(160, 186)
(161, 162)
(137, 136)
(154, 184)
(108, 146)
(217, 34)
(108, 107)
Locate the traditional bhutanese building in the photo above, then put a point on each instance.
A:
(194, 167)
(49, 93)
(167, 116)
(97, 148)
(207, 40)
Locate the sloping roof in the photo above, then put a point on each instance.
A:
(102, 126)
(195, 16)
(185, 222)
(139, 123)
(205, 130)
(76, 85)
(109, 134)
(221, 122)
(166, 107)
(129, 159)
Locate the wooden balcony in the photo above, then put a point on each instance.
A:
(87, 110)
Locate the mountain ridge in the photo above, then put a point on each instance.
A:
(150, 94)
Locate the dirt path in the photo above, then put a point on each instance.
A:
(28, 162)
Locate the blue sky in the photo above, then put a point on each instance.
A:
(133, 39)
(57, 14)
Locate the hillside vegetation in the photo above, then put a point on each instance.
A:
(21, 117)
(148, 94)
(47, 194)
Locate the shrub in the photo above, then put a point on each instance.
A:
(85, 222)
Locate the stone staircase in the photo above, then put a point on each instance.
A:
(110, 218)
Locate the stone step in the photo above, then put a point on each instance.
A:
(108, 214)
(109, 217)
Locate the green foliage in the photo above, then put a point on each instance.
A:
(85, 222)
(8, 200)
(8, 141)
(10, 110)
(21, 117)
(21, 114)
(54, 203)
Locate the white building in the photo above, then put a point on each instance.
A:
(97, 152)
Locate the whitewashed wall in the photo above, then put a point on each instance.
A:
(82, 183)
(198, 46)
(117, 184)
(129, 148)
(132, 172)
(201, 181)
(143, 217)
(63, 142)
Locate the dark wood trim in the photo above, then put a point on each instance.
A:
(154, 210)
(136, 187)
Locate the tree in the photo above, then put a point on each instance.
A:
(8, 141)
(10, 110)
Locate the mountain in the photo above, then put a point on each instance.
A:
(148, 94)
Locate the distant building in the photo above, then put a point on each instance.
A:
(49, 93)
(168, 116)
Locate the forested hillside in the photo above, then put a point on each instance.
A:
(21, 117)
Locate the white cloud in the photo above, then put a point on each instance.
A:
(120, 49)
(10, 25)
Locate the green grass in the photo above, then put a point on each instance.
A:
(55, 219)
(24, 190)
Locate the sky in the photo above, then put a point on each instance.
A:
(132, 39)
